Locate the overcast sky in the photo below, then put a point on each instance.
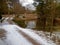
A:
(28, 4)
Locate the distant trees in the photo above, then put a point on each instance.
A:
(42, 11)
(46, 14)
(18, 8)
(41, 15)
(3, 7)
(58, 10)
(10, 7)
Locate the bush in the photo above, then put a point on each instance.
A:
(20, 23)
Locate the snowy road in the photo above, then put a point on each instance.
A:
(16, 35)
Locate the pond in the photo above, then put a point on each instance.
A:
(31, 24)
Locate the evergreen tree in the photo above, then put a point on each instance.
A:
(46, 14)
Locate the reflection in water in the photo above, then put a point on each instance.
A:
(30, 24)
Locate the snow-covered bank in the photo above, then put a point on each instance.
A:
(37, 38)
(13, 37)
(55, 37)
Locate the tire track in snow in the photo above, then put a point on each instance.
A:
(28, 38)
(17, 39)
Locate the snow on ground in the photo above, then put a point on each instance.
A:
(2, 42)
(36, 37)
(55, 37)
(15, 38)
(57, 34)
(12, 36)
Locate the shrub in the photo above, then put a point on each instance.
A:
(20, 23)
